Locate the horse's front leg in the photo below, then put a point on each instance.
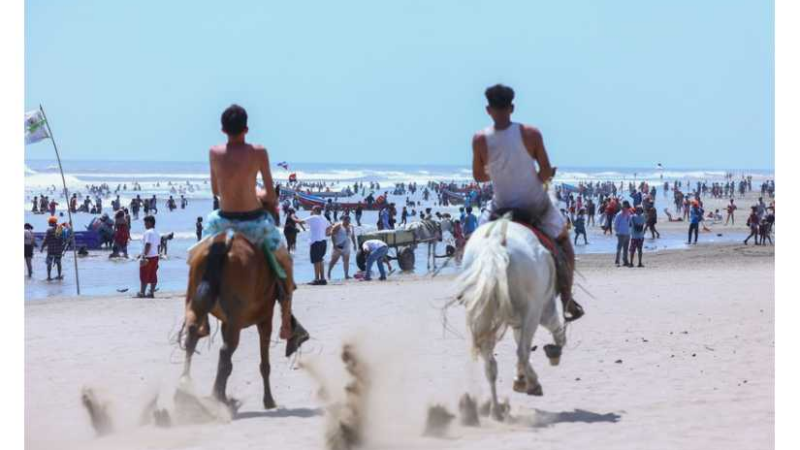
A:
(433, 254)
(230, 337)
(264, 333)
(552, 321)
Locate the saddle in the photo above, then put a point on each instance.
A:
(525, 219)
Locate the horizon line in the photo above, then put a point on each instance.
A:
(339, 163)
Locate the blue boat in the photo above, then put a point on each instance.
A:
(89, 239)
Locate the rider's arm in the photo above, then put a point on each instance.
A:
(535, 146)
(266, 176)
(479, 153)
(214, 188)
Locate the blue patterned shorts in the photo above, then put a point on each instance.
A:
(257, 231)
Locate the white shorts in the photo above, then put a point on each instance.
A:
(551, 222)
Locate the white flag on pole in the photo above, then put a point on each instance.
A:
(35, 129)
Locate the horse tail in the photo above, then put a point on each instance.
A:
(208, 289)
(483, 288)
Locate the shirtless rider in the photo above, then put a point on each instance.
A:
(507, 154)
(234, 168)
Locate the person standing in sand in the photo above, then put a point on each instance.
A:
(507, 154)
(622, 226)
(319, 228)
(54, 242)
(235, 166)
(637, 235)
(731, 210)
(342, 235)
(148, 260)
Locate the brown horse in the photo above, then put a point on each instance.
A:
(229, 278)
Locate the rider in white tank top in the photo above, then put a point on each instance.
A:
(512, 156)
(513, 171)
(515, 179)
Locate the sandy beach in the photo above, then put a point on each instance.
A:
(679, 354)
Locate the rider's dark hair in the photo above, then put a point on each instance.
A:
(234, 120)
(499, 96)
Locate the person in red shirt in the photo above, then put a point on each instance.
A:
(122, 235)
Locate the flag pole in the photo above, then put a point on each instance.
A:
(66, 196)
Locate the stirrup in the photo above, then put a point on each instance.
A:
(574, 315)
(298, 337)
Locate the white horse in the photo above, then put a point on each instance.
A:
(430, 232)
(509, 280)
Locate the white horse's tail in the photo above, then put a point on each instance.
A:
(483, 288)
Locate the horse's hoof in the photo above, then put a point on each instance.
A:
(497, 415)
(553, 353)
(269, 403)
(233, 405)
(519, 385)
(536, 390)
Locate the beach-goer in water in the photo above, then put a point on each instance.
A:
(148, 260)
(342, 235)
(235, 166)
(359, 212)
(290, 229)
(121, 235)
(507, 154)
(198, 228)
(470, 223)
(579, 225)
(652, 219)
(54, 242)
(696, 216)
(30, 245)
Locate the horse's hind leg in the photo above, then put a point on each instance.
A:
(264, 332)
(230, 337)
(527, 380)
(490, 366)
(192, 337)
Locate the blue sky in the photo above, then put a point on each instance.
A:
(689, 84)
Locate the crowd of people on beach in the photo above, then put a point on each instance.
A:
(626, 211)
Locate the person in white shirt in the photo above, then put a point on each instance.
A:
(319, 229)
(375, 250)
(148, 263)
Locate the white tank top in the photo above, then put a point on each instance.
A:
(513, 170)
